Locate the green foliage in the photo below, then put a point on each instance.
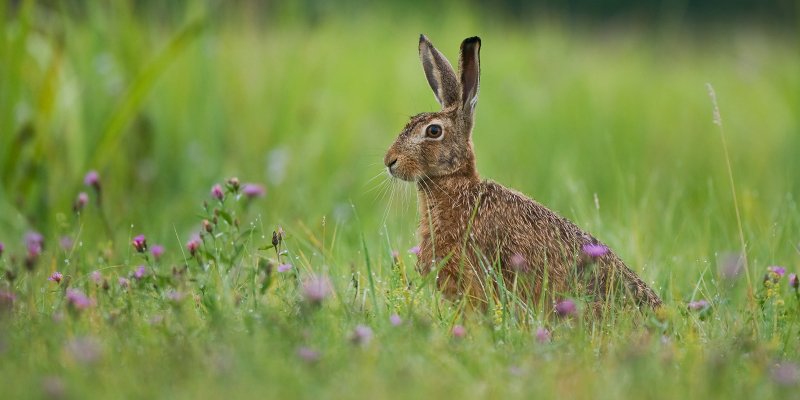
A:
(613, 129)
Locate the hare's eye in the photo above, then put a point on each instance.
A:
(433, 131)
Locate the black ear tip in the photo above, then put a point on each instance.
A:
(422, 38)
(472, 40)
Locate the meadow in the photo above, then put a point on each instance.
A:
(128, 273)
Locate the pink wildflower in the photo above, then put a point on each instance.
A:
(252, 190)
(361, 335)
(56, 277)
(542, 335)
(139, 243)
(566, 308)
(316, 288)
(217, 193)
(459, 331)
(78, 300)
(594, 250)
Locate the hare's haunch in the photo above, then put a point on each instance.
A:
(468, 225)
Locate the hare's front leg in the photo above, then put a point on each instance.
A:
(460, 276)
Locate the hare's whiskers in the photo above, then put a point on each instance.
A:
(379, 184)
(393, 186)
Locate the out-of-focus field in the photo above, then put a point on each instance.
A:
(610, 126)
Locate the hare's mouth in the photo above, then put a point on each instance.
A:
(395, 170)
(399, 174)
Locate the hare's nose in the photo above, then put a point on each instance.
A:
(391, 163)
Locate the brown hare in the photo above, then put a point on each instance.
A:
(468, 226)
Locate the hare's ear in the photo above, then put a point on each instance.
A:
(470, 68)
(440, 74)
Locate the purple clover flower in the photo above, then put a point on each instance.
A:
(542, 335)
(518, 263)
(96, 277)
(395, 320)
(56, 277)
(786, 373)
(459, 332)
(2, 248)
(698, 305)
(361, 335)
(34, 241)
(92, 179)
(193, 244)
(80, 202)
(566, 308)
(284, 267)
(157, 251)
(217, 193)
(78, 300)
(308, 354)
(123, 282)
(139, 243)
(66, 243)
(317, 288)
(140, 272)
(595, 250)
(414, 250)
(777, 270)
(252, 190)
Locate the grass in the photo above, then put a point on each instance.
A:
(614, 129)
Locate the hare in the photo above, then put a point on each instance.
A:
(470, 227)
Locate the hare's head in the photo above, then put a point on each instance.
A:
(439, 143)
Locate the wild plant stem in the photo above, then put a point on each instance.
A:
(718, 122)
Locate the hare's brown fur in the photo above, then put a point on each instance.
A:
(468, 225)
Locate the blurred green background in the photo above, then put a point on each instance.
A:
(578, 99)
(597, 109)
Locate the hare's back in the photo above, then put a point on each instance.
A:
(518, 218)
